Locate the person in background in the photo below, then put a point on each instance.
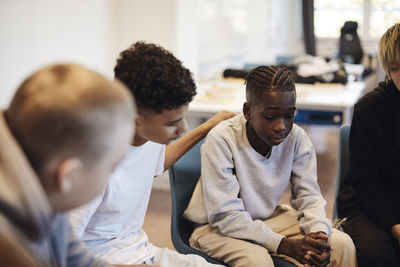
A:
(369, 199)
(111, 225)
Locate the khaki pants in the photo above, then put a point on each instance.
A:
(169, 258)
(238, 253)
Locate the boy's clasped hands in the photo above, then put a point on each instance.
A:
(311, 250)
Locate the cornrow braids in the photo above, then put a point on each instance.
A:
(274, 78)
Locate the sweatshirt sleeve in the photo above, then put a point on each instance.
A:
(223, 205)
(306, 196)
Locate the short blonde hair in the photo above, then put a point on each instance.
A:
(66, 110)
(389, 47)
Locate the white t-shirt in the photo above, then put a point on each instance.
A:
(111, 225)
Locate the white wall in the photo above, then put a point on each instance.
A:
(150, 20)
(39, 32)
(90, 32)
(169, 23)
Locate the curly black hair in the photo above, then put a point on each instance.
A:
(157, 79)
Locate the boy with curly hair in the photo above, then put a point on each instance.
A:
(66, 129)
(112, 224)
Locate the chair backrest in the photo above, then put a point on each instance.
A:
(343, 161)
(350, 49)
(183, 176)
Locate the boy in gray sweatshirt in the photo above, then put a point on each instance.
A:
(247, 163)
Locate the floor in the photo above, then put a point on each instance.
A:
(157, 221)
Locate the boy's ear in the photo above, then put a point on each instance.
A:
(67, 173)
(140, 120)
(246, 110)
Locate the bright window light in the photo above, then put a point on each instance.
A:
(373, 16)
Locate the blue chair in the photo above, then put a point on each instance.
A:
(184, 175)
(343, 161)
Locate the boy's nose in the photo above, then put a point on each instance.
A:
(182, 127)
(279, 126)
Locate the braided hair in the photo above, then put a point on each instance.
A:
(269, 78)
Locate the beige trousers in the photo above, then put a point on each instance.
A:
(238, 252)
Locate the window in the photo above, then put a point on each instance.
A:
(373, 16)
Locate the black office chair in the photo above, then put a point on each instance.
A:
(350, 49)
(183, 176)
(343, 161)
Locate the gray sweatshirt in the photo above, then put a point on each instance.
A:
(239, 188)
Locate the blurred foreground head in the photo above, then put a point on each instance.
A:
(74, 126)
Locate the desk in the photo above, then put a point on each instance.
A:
(327, 104)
